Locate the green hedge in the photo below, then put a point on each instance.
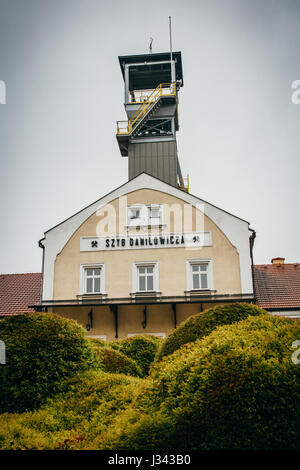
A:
(235, 389)
(85, 407)
(202, 324)
(41, 351)
(141, 348)
(114, 361)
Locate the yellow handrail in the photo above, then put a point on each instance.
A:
(185, 186)
(141, 111)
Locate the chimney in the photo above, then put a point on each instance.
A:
(278, 260)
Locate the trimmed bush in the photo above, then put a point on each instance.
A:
(114, 361)
(235, 389)
(96, 342)
(141, 348)
(200, 325)
(41, 351)
(70, 420)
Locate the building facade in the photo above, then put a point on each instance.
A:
(149, 254)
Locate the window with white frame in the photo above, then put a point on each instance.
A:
(135, 216)
(134, 213)
(145, 277)
(155, 214)
(92, 279)
(199, 275)
(143, 215)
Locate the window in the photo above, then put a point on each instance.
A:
(142, 215)
(155, 215)
(93, 279)
(199, 275)
(134, 213)
(145, 277)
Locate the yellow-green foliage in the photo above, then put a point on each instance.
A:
(41, 351)
(112, 360)
(202, 324)
(71, 420)
(234, 389)
(140, 348)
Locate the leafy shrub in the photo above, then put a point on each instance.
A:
(141, 348)
(234, 389)
(41, 351)
(112, 360)
(202, 324)
(97, 343)
(85, 407)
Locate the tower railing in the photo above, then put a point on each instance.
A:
(184, 184)
(163, 89)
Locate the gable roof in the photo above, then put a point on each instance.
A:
(17, 291)
(277, 286)
(141, 181)
(235, 229)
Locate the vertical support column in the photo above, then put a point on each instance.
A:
(173, 74)
(114, 310)
(126, 87)
(174, 314)
(144, 322)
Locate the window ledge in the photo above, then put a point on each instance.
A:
(145, 294)
(199, 292)
(92, 296)
(145, 226)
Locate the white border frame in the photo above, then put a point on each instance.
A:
(83, 267)
(137, 264)
(210, 280)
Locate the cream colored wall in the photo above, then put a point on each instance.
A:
(172, 261)
(160, 318)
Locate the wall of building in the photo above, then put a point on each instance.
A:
(172, 261)
(160, 318)
(235, 229)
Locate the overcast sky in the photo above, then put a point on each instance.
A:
(239, 135)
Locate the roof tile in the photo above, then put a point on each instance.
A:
(277, 285)
(17, 291)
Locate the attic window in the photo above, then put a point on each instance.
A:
(134, 213)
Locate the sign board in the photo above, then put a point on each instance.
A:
(146, 241)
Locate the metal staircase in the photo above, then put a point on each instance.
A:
(145, 110)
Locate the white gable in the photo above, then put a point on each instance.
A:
(236, 229)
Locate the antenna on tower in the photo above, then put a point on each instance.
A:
(171, 52)
(170, 32)
(150, 46)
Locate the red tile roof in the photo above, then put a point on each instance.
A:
(277, 285)
(17, 291)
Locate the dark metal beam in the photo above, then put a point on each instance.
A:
(90, 320)
(114, 310)
(174, 314)
(144, 322)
